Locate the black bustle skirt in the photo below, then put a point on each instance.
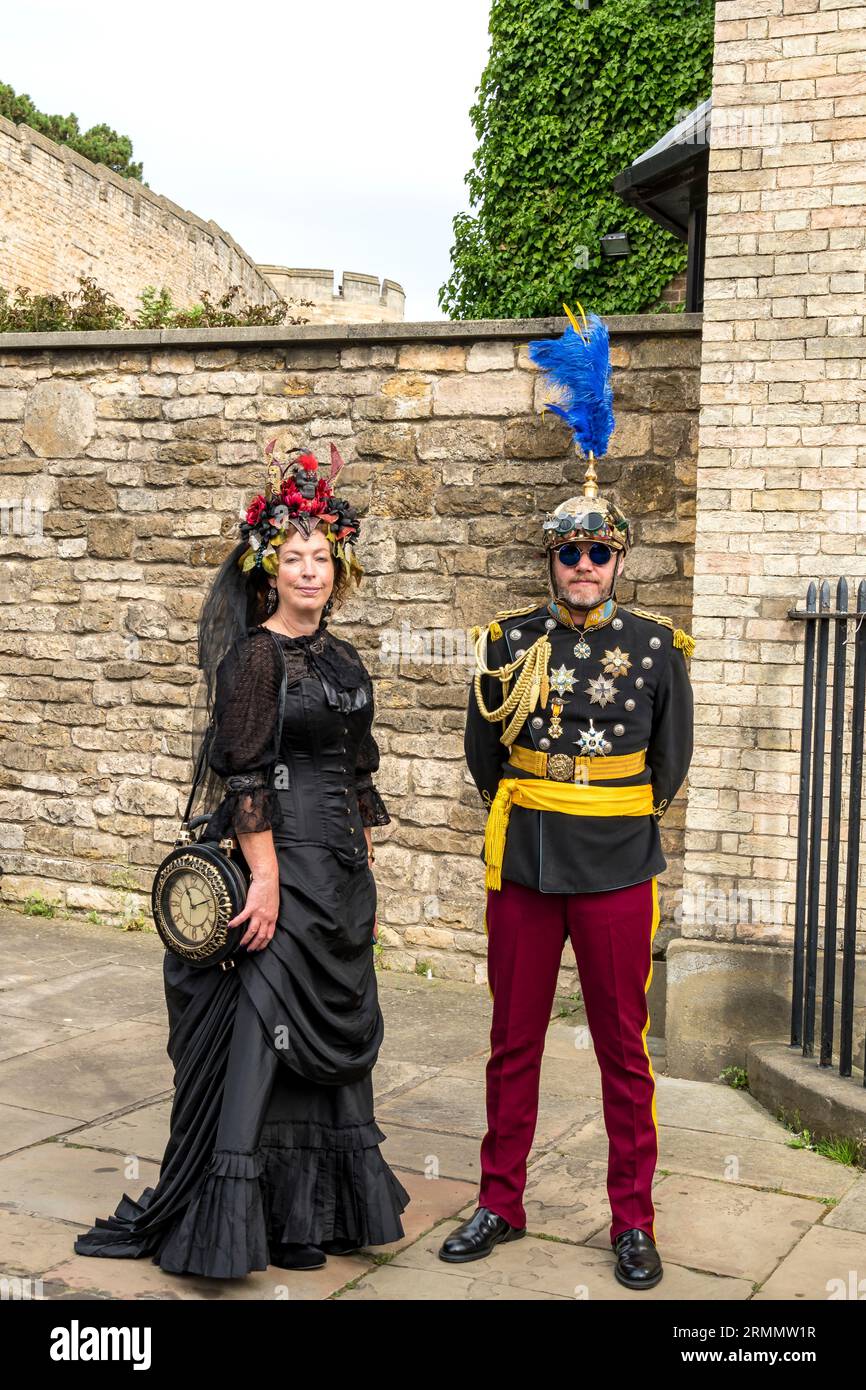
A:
(272, 1133)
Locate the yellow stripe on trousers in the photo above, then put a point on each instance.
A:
(489, 987)
(655, 922)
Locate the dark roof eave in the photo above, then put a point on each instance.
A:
(678, 166)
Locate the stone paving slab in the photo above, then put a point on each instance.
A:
(19, 1036)
(391, 1075)
(712, 1106)
(826, 1263)
(70, 1183)
(143, 1130)
(566, 1196)
(29, 1245)
(575, 1076)
(44, 965)
(850, 1214)
(433, 1022)
(92, 1074)
(20, 1128)
(85, 1082)
(427, 1151)
(107, 991)
(752, 1162)
(456, 1105)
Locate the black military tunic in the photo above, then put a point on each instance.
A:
(623, 686)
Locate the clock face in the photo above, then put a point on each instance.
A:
(189, 907)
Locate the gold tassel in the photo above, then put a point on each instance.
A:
(495, 631)
(474, 634)
(535, 687)
(494, 836)
(684, 641)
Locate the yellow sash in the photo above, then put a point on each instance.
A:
(570, 798)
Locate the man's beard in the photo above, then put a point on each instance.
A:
(580, 605)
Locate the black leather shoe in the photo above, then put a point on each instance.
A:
(296, 1256)
(340, 1247)
(638, 1263)
(477, 1236)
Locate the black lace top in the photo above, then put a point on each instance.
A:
(312, 778)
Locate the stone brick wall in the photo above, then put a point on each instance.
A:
(62, 216)
(781, 480)
(141, 448)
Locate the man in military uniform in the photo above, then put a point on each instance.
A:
(578, 737)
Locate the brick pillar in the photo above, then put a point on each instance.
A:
(781, 489)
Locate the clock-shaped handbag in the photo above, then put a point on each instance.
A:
(202, 884)
(197, 890)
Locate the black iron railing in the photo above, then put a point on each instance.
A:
(814, 755)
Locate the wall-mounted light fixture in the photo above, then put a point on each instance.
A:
(613, 245)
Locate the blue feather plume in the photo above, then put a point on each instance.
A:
(579, 366)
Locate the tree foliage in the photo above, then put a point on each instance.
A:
(569, 97)
(100, 144)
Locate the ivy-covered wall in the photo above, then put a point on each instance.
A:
(569, 97)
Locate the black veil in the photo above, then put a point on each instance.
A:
(234, 602)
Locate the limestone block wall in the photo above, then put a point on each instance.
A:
(781, 484)
(62, 216)
(357, 299)
(136, 452)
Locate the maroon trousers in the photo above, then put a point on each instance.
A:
(611, 935)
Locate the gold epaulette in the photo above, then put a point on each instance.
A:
(654, 617)
(517, 612)
(682, 639)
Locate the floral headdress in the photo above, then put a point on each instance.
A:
(297, 496)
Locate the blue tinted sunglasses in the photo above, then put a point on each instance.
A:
(569, 554)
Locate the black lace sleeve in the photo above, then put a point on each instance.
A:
(370, 803)
(246, 742)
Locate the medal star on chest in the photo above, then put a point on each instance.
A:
(616, 662)
(562, 680)
(601, 691)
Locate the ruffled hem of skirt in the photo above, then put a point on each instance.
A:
(305, 1184)
(323, 1183)
(222, 1233)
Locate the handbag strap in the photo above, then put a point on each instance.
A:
(206, 741)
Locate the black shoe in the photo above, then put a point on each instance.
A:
(477, 1236)
(296, 1256)
(340, 1247)
(638, 1263)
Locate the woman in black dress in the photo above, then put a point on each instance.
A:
(273, 1154)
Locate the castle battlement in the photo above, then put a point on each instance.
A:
(357, 298)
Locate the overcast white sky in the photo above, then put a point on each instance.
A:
(331, 134)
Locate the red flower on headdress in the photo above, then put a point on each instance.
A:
(308, 461)
(255, 510)
(294, 499)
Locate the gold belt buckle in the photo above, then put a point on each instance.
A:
(560, 767)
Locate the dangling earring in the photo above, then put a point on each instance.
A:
(328, 606)
(271, 600)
